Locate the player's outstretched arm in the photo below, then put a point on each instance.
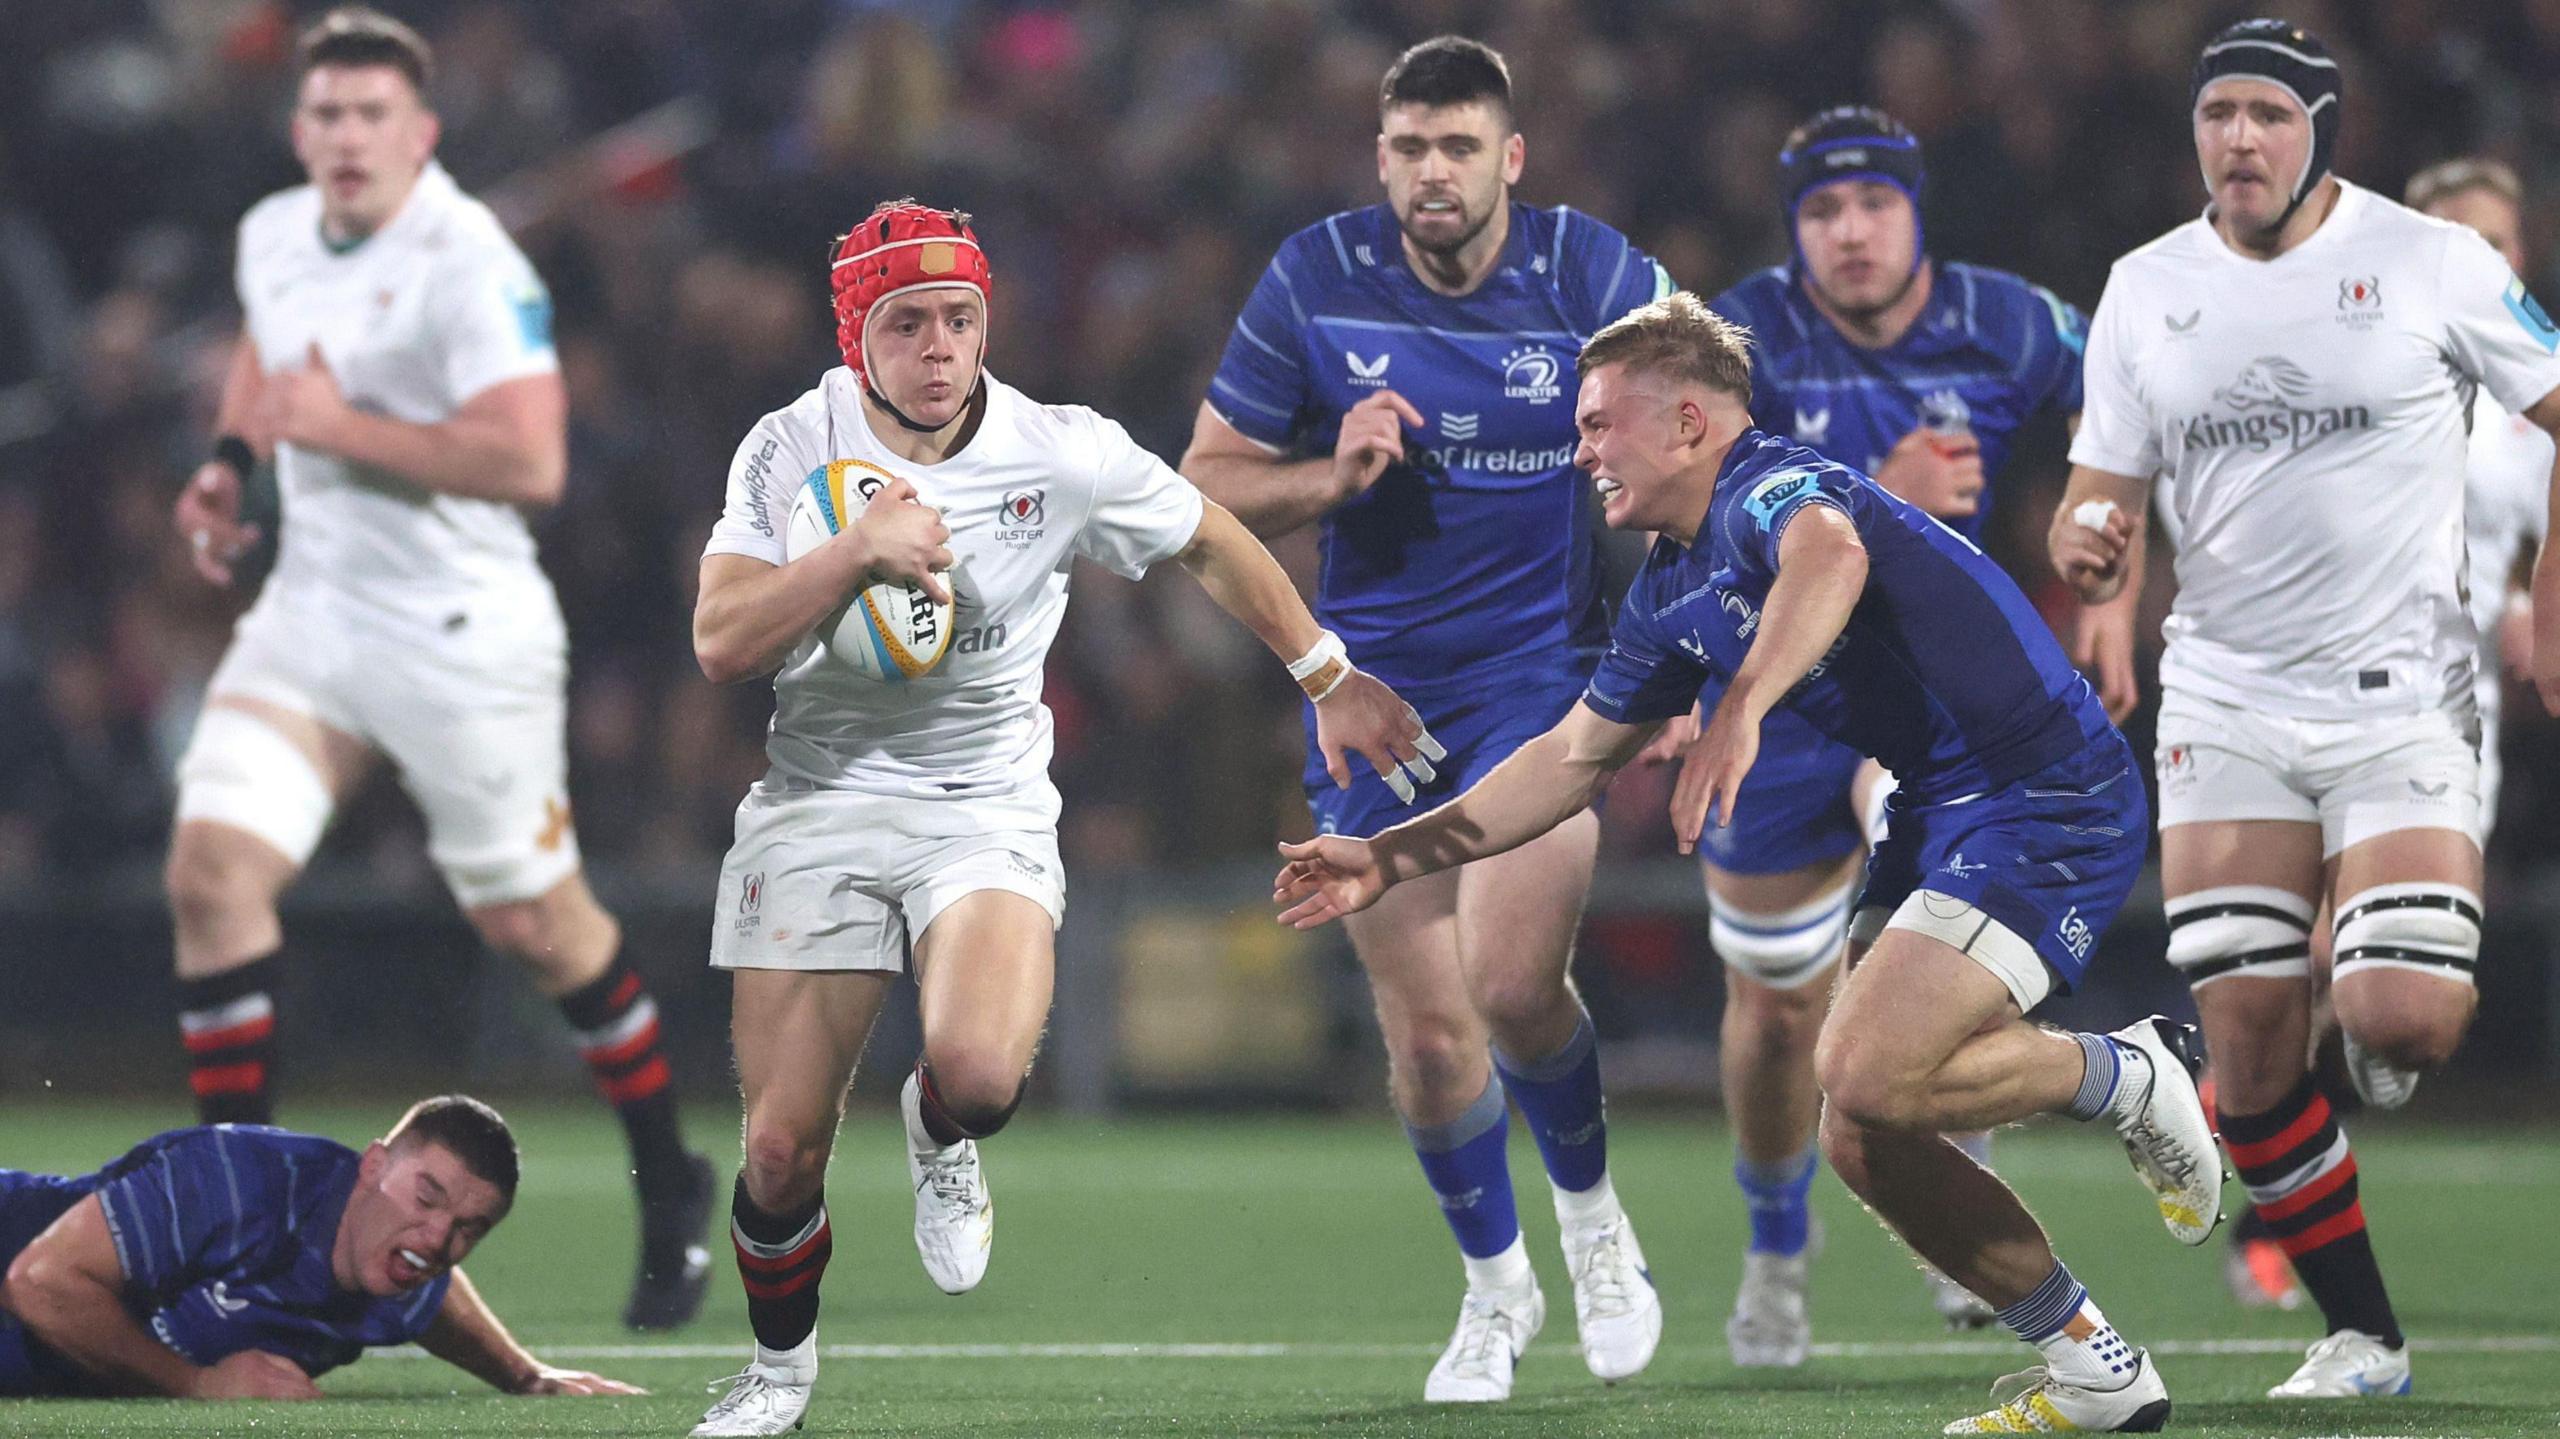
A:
(67, 1288)
(748, 615)
(2545, 659)
(1355, 713)
(1273, 494)
(1544, 783)
(1822, 569)
(510, 442)
(467, 1335)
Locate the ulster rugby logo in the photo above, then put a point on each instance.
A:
(1021, 517)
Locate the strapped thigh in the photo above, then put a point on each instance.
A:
(2244, 929)
(2430, 927)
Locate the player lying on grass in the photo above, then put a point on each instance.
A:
(242, 1262)
(2017, 831)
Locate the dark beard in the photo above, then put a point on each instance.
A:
(1451, 249)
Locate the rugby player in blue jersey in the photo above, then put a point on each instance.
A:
(1404, 375)
(2018, 830)
(242, 1262)
(1920, 374)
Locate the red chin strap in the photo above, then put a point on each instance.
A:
(898, 247)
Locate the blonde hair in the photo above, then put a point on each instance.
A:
(2448, 178)
(1679, 337)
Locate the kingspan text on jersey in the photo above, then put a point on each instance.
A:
(2265, 429)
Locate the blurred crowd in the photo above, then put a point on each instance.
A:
(676, 169)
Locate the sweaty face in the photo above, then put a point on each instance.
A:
(922, 351)
(415, 1212)
(1447, 169)
(2252, 141)
(1861, 242)
(362, 133)
(1631, 445)
(2493, 215)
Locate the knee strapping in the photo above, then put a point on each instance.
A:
(2244, 929)
(2431, 928)
(1783, 950)
(240, 771)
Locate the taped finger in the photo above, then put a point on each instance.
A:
(1431, 748)
(1421, 767)
(1394, 775)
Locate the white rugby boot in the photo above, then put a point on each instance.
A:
(1770, 1327)
(1615, 1308)
(2162, 1120)
(2379, 1083)
(1493, 1327)
(2349, 1364)
(2034, 1402)
(768, 1397)
(955, 1216)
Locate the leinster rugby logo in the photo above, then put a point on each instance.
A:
(1021, 517)
(1533, 374)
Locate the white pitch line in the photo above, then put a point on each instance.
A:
(1922, 1349)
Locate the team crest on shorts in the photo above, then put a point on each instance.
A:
(750, 902)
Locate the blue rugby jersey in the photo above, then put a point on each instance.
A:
(1945, 672)
(1480, 551)
(225, 1233)
(1987, 352)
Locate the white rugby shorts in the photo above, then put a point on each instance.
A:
(2355, 778)
(834, 879)
(466, 701)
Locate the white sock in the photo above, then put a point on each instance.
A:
(1596, 1205)
(1505, 1273)
(800, 1361)
(2088, 1353)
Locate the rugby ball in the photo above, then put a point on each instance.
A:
(890, 632)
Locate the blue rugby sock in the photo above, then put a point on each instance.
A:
(1781, 1216)
(1560, 1098)
(1468, 1169)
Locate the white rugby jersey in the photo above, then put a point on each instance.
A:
(1037, 486)
(2507, 504)
(2304, 419)
(414, 320)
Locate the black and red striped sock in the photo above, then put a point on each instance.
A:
(2301, 1178)
(617, 1025)
(228, 1021)
(781, 1257)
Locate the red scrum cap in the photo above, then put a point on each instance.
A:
(900, 246)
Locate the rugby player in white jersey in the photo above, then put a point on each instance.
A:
(917, 818)
(397, 366)
(2295, 369)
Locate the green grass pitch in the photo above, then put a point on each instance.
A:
(1287, 1277)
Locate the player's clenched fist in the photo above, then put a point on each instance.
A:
(1326, 878)
(1941, 474)
(1372, 438)
(2088, 544)
(904, 541)
(208, 516)
(254, 1374)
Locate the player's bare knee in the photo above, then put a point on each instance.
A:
(784, 1165)
(1434, 1061)
(518, 929)
(213, 887)
(2409, 1035)
(978, 1089)
(1867, 1085)
(1525, 1002)
(1773, 1020)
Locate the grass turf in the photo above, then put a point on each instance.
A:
(1303, 1259)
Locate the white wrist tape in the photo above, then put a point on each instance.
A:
(1327, 649)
